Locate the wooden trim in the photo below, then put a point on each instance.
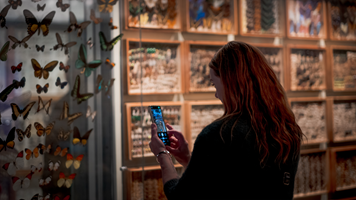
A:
(343, 148)
(306, 99)
(150, 168)
(308, 37)
(330, 28)
(310, 194)
(234, 31)
(330, 118)
(309, 151)
(331, 113)
(265, 35)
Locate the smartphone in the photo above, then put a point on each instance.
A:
(157, 118)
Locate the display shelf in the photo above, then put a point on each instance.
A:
(199, 56)
(306, 69)
(162, 15)
(162, 71)
(312, 174)
(341, 23)
(311, 115)
(198, 115)
(309, 25)
(219, 18)
(343, 168)
(260, 18)
(152, 182)
(343, 62)
(172, 114)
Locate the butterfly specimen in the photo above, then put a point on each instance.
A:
(16, 68)
(35, 1)
(76, 136)
(15, 4)
(53, 166)
(62, 67)
(38, 168)
(44, 182)
(112, 27)
(75, 26)
(62, 6)
(81, 62)
(40, 89)
(9, 142)
(106, 5)
(35, 153)
(61, 45)
(75, 92)
(15, 85)
(103, 85)
(61, 84)
(38, 48)
(64, 135)
(65, 198)
(40, 8)
(65, 114)
(41, 130)
(108, 61)
(44, 149)
(108, 46)
(33, 25)
(90, 43)
(65, 181)
(75, 162)
(16, 111)
(21, 134)
(19, 43)
(4, 50)
(11, 167)
(17, 183)
(39, 71)
(93, 18)
(3, 14)
(42, 106)
(90, 114)
(61, 152)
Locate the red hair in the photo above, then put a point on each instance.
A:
(252, 88)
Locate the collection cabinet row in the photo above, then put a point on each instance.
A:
(297, 19)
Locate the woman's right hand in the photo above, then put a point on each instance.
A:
(179, 146)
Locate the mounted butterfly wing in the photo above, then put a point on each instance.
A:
(3, 14)
(60, 84)
(16, 111)
(61, 45)
(42, 106)
(63, 181)
(61, 152)
(93, 18)
(16, 68)
(63, 67)
(75, 26)
(39, 71)
(18, 43)
(42, 131)
(22, 134)
(78, 139)
(15, 85)
(106, 5)
(12, 167)
(65, 198)
(18, 184)
(75, 92)
(40, 8)
(15, 3)
(33, 25)
(75, 162)
(70, 117)
(34, 153)
(4, 50)
(81, 62)
(38, 48)
(53, 166)
(40, 89)
(108, 46)
(62, 6)
(64, 135)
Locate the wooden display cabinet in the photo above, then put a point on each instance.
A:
(173, 113)
(335, 28)
(153, 182)
(210, 22)
(200, 53)
(342, 109)
(312, 176)
(191, 120)
(311, 115)
(343, 65)
(162, 71)
(306, 68)
(340, 180)
(318, 15)
(269, 29)
(163, 18)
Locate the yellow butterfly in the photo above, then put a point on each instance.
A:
(76, 136)
(65, 181)
(76, 162)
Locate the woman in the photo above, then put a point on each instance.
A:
(252, 151)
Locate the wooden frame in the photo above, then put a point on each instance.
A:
(324, 28)
(233, 31)
(187, 63)
(330, 28)
(288, 76)
(267, 35)
(130, 173)
(333, 162)
(129, 145)
(331, 71)
(178, 17)
(330, 109)
(188, 110)
(327, 117)
(327, 170)
(180, 65)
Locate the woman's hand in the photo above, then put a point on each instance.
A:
(156, 144)
(179, 146)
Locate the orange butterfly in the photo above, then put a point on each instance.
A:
(60, 151)
(65, 181)
(93, 18)
(35, 153)
(70, 161)
(65, 198)
(112, 27)
(44, 149)
(41, 130)
(108, 61)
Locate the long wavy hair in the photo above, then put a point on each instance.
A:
(252, 88)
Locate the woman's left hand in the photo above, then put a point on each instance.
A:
(156, 144)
